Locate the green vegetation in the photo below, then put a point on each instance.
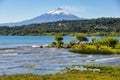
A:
(94, 27)
(81, 37)
(109, 41)
(105, 73)
(59, 43)
(58, 38)
(107, 45)
(96, 51)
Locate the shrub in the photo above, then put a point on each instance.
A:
(109, 41)
(72, 43)
(60, 45)
(54, 44)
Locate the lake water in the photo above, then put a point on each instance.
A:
(43, 60)
(14, 41)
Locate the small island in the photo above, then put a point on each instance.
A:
(105, 45)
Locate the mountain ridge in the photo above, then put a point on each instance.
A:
(51, 16)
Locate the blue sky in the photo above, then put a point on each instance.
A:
(18, 10)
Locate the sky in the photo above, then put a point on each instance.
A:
(19, 10)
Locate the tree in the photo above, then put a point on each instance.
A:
(59, 39)
(81, 37)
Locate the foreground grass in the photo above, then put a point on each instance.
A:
(105, 73)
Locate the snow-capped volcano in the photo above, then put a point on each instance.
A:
(54, 15)
(58, 11)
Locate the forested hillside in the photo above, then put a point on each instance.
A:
(100, 26)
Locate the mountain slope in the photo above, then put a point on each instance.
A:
(55, 15)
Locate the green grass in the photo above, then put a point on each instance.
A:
(94, 48)
(105, 73)
(96, 51)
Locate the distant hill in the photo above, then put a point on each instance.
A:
(55, 15)
(100, 26)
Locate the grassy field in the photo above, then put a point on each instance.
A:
(105, 73)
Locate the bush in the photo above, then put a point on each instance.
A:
(54, 44)
(109, 41)
(60, 45)
(72, 43)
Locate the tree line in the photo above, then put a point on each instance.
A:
(100, 26)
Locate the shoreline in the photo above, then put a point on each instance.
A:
(72, 73)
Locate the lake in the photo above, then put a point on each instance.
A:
(14, 41)
(43, 60)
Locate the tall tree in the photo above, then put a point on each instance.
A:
(81, 37)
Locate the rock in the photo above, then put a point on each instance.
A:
(41, 46)
(46, 45)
